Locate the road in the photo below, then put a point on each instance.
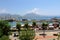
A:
(12, 36)
(48, 30)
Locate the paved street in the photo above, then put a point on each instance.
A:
(12, 36)
(49, 34)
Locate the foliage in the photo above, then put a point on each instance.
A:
(4, 38)
(27, 35)
(26, 25)
(4, 30)
(34, 24)
(1, 32)
(44, 25)
(18, 26)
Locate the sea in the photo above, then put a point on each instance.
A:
(13, 24)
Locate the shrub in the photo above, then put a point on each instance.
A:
(4, 38)
(27, 35)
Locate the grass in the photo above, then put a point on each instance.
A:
(4, 38)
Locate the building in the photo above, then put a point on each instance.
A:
(24, 20)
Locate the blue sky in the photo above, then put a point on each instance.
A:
(22, 7)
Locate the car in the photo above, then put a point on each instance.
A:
(15, 35)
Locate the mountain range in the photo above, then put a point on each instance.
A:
(29, 16)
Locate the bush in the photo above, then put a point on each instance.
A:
(1, 32)
(27, 35)
(4, 38)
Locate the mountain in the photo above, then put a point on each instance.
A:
(29, 16)
(36, 16)
(4, 16)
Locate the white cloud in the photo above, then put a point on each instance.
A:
(35, 10)
(3, 10)
(46, 12)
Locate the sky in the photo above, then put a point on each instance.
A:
(22, 7)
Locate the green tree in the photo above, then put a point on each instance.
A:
(44, 25)
(34, 24)
(26, 25)
(4, 30)
(5, 27)
(18, 26)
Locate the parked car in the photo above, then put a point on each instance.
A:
(16, 35)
